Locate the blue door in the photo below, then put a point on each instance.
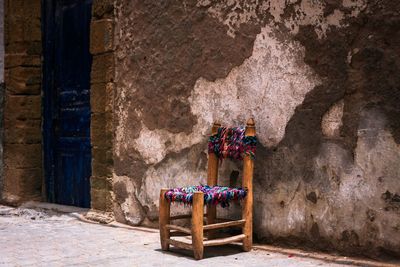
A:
(66, 101)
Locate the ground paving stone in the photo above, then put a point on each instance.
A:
(36, 238)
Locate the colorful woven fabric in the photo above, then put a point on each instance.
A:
(212, 194)
(232, 143)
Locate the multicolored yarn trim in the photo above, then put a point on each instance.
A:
(213, 195)
(232, 143)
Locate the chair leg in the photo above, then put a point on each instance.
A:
(164, 217)
(197, 225)
(211, 215)
(248, 225)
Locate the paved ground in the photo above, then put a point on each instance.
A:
(36, 238)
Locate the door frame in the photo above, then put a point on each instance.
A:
(48, 98)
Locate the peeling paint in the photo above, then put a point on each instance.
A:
(268, 87)
(233, 13)
(124, 194)
(332, 120)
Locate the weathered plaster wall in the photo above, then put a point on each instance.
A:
(321, 79)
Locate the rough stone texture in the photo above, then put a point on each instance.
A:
(22, 110)
(102, 104)
(321, 79)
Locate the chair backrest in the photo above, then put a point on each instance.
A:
(237, 143)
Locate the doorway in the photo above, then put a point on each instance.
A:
(66, 101)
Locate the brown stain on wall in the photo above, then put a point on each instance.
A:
(167, 46)
(173, 44)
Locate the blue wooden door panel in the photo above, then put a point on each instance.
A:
(67, 101)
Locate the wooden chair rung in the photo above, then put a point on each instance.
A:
(180, 244)
(177, 233)
(224, 224)
(179, 228)
(223, 241)
(183, 216)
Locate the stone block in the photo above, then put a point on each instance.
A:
(14, 7)
(15, 48)
(101, 97)
(101, 183)
(24, 80)
(102, 130)
(103, 8)
(32, 29)
(15, 60)
(101, 199)
(103, 68)
(22, 131)
(32, 9)
(103, 156)
(14, 30)
(34, 48)
(11, 184)
(28, 48)
(100, 169)
(101, 36)
(23, 8)
(22, 107)
(26, 183)
(22, 156)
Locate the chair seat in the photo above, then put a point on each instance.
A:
(213, 195)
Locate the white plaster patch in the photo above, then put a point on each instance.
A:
(306, 12)
(150, 145)
(130, 207)
(155, 145)
(332, 120)
(170, 174)
(267, 86)
(358, 187)
(346, 190)
(356, 6)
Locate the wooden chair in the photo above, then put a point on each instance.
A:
(198, 227)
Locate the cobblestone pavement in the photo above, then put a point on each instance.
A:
(36, 238)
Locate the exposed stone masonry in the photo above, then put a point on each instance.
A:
(22, 110)
(102, 104)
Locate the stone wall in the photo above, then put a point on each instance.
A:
(23, 176)
(321, 79)
(102, 100)
(22, 110)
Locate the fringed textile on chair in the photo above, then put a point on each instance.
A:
(232, 143)
(213, 195)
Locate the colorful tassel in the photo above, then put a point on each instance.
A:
(232, 143)
(212, 195)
